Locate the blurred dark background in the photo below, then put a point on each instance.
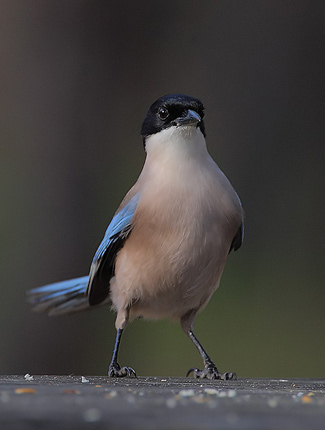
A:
(76, 79)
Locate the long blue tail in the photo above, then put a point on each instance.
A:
(60, 297)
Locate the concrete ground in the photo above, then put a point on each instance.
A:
(76, 402)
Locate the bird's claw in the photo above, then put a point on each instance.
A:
(211, 372)
(116, 371)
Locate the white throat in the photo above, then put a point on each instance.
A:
(174, 145)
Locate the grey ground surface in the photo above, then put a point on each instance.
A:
(75, 402)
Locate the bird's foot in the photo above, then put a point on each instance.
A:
(116, 371)
(211, 372)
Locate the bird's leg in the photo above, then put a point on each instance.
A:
(115, 370)
(210, 370)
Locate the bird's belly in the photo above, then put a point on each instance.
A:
(168, 277)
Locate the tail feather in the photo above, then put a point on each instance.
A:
(60, 297)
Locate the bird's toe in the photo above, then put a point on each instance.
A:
(115, 371)
(211, 372)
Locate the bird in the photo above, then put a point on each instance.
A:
(163, 253)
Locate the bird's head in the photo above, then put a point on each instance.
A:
(173, 110)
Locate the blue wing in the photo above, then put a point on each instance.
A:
(103, 265)
(69, 296)
(238, 239)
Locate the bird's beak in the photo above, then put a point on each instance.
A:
(191, 118)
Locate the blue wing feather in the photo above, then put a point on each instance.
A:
(238, 239)
(71, 295)
(118, 227)
(103, 264)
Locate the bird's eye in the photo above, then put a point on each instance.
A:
(163, 113)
